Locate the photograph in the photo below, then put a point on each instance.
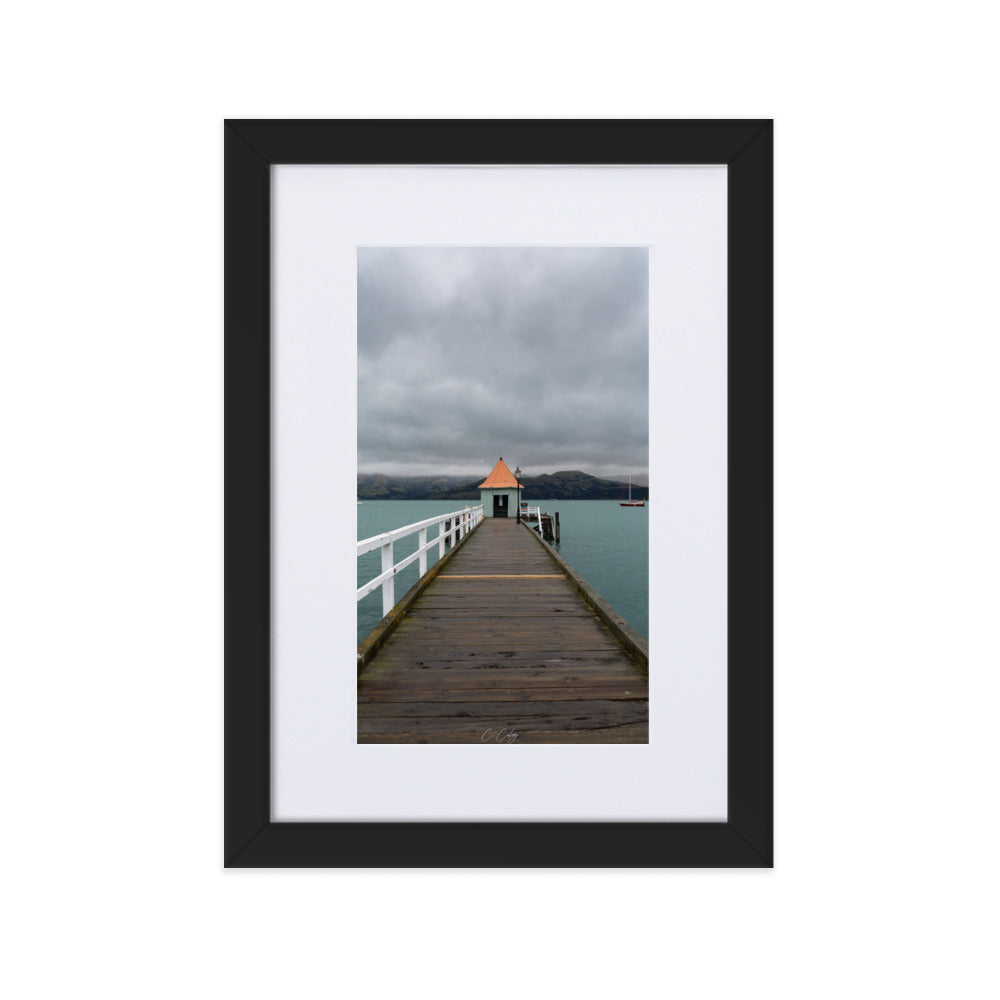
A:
(503, 494)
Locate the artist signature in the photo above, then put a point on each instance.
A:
(499, 736)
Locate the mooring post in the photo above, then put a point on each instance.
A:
(557, 526)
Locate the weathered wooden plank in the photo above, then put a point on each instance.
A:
(547, 649)
(470, 598)
(496, 638)
(490, 681)
(503, 576)
(633, 733)
(490, 729)
(611, 665)
(495, 584)
(624, 710)
(477, 622)
(532, 610)
(408, 658)
(570, 715)
(485, 670)
(527, 642)
(467, 597)
(556, 692)
(486, 650)
(483, 591)
(472, 653)
(526, 630)
(636, 732)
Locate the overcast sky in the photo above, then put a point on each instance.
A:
(537, 354)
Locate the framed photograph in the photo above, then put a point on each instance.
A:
(498, 493)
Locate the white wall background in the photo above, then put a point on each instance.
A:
(887, 495)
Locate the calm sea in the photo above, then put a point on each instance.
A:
(608, 545)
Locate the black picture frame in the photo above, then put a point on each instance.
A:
(252, 839)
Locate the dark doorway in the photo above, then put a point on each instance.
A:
(500, 505)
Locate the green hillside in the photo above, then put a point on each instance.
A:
(570, 485)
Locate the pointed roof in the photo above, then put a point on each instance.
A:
(500, 478)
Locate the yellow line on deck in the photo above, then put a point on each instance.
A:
(503, 576)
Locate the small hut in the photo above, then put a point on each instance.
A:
(498, 492)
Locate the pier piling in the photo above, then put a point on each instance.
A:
(545, 523)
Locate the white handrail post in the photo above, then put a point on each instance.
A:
(388, 588)
(459, 525)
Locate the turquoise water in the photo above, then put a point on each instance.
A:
(608, 545)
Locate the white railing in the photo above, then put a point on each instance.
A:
(462, 522)
(529, 512)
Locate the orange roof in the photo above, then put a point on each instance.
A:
(500, 478)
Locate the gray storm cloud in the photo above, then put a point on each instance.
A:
(538, 354)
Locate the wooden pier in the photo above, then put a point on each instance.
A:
(501, 647)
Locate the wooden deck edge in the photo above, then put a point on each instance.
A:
(634, 643)
(375, 639)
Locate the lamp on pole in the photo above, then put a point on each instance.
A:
(517, 476)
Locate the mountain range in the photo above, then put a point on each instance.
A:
(571, 485)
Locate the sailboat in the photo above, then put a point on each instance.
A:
(630, 502)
